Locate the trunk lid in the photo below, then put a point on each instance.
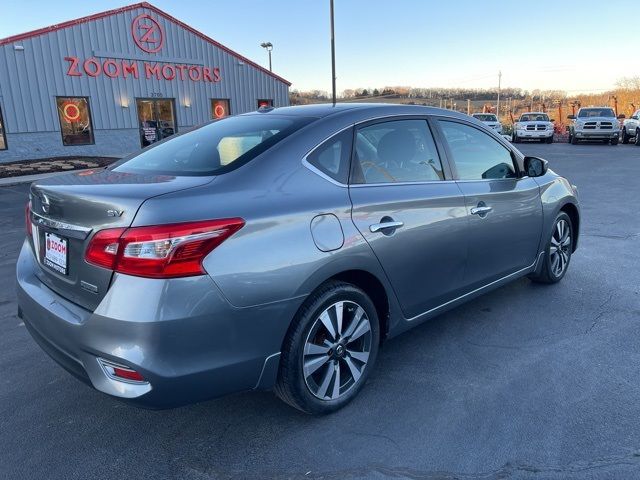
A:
(67, 210)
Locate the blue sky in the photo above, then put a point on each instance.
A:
(420, 43)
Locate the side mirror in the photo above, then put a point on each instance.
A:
(535, 167)
(634, 117)
(621, 116)
(552, 120)
(571, 117)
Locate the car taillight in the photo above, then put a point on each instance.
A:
(27, 218)
(161, 251)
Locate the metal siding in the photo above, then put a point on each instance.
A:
(31, 79)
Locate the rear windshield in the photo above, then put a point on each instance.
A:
(534, 117)
(596, 112)
(214, 148)
(485, 117)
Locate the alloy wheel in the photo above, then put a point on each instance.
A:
(337, 350)
(560, 248)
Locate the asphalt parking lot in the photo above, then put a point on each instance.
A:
(529, 381)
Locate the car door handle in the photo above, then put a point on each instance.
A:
(379, 227)
(481, 210)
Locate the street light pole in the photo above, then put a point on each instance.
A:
(333, 55)
(498, 104)
(269, 47)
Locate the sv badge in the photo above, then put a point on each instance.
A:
(114, 213)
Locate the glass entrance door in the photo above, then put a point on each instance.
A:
(156, 119)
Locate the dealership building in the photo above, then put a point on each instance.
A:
(110, 83)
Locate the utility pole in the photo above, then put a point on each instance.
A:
(333, 55)
(468, 106)
(498, 103)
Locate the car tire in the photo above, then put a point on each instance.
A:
(515, 138)
(557, 254)
(315, 357)
(549, 140)
(573, 140)
(625, 137)
(614, 141)
(637, 142)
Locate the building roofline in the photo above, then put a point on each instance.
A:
(97, 16)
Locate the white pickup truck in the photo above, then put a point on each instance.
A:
(595, 123)
(631, 128)
(533, 125)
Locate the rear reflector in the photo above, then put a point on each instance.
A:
(118, 371)
(161, 251)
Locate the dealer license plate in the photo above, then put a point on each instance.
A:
(56, 253)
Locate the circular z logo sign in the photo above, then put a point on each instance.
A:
(147, 33)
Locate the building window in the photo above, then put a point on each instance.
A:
(75, 120)
(220, 108)
(3, 137)
(265, 102)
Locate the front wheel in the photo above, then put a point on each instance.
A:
(330, 349)
(557, 255)
(573, 140)
(625, 136)
(550, 139)
(614, 141)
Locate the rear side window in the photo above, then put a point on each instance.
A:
(332, 157)
(477, 155)
(214, 148)
(396, 151)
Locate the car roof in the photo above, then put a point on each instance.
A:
(534, 113)
(357, 109)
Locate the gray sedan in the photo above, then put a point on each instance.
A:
(280, 248)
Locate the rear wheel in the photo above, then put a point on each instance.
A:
(558, 252)
(625, 136)
(329, 350)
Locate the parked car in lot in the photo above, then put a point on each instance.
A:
(631, 128)
(595, 123)
(182, 273)
(490, 120)
(534, 126)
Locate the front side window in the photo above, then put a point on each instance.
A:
(332, 157)
(75, 120)
(215, 148)
(396, 151)
(220, 108)
(477, 156)
(3, 137)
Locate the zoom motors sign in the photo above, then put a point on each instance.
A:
(148, 36)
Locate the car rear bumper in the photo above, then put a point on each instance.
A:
(182, 335)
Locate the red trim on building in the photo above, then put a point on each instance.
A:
(108, 13)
